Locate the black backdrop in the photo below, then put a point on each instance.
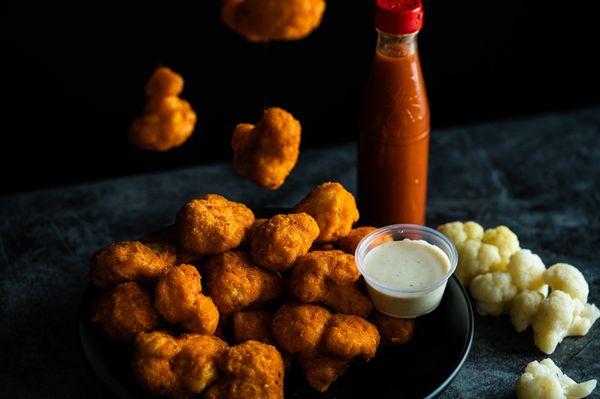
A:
(73, 76)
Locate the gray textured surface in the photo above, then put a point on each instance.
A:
(540, 176)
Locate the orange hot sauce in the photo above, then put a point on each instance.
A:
(394, 126)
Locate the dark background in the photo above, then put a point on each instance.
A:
(73, 77)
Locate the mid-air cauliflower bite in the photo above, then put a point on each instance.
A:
(267, 152)
(264, 20)
(393, 331)
(493, 292)
(349, 243)
(333, 208)
(168, 121)
(125, 311)
(179, 300)
(251, 370)
(126, 261)
(544, 380)
(276, 243)
(176, 367)
(329, 277)
(212, 224)
(235, 283)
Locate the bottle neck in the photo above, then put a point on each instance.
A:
(397, 45)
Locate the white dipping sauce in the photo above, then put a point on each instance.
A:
(402, 271)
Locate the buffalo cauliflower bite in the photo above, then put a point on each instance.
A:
(544, 380)
(125, 261)
(349, 336)
(349, 243)
(125, 311)
(179, 300)
(276, 243)
(176, 367)
(393, 331)
(322, 370)
(569, 279)
(264, 20)
(234, 283)
(251, 370)
(493, 292)
(298, 328)
(165, 251)
(329, 277)
(267, 152)
(333, 208)
(523, 309)
(212, 224)
(168, 121)
(253, 325)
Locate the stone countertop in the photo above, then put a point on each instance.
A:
(540, 176)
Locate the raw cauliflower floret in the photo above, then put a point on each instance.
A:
(493, 292)
(459, 232)
(474, 259)
(569, 279)
(505, 240)
(524, 307)
(544, 380)
(560, 316)
(527, 270)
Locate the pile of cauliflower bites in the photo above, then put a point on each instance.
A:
(223, 303)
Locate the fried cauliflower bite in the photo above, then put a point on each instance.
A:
(267, 152)
(321, 371)
(333, 208)
(176, 367)
(329, 277)
(125, 261)
(298, 328)
(253, 325)
(393, 331)
(251, 370)
(264, 20)
(212, 224)
(349, 336)
(168, 121)
(349, 243)
(165, 251)
(125, 311)
(234, 283)
(276, 243)
(179, 300)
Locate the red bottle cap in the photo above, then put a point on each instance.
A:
(399, 17)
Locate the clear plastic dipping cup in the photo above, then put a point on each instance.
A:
(405, 302)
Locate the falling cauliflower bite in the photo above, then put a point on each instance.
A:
(544, 380)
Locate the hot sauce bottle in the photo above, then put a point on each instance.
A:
(394, 124)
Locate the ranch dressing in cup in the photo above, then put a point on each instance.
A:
(406, 268)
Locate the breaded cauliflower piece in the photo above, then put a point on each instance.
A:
(253, 325)
(125, 311)
(168, 121)
(176, 367)
(298, 328)
(493, 292)
(505, 240)
(569, 279)
(393, 331)
(349, 243)
(544, 380)
(125, 261)
(179, 300)
(329, 277)
(234, 283)
(212, 224)
(251, 370)
(322, 370)
(276, 243)
(524, 307)
(264, 20)
(333, 208)
(267, 152)
(349, 336)
(527, 270)
(165, 251)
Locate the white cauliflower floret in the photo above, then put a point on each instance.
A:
(474, 259)
(584, 320)
(493, 292)
(524, 307)
(569, 279)
(459, 232)
(544, 380)
(505, 240)
(527, 270)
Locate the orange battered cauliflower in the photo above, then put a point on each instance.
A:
(168, 121)
(267, 152)
(348, 336)
(276, 243)
(322, 370)
(393, 331)
(333, 208)
(212, 224)
(264, 20)
(349, 243)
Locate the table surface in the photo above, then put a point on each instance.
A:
(540, 176)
